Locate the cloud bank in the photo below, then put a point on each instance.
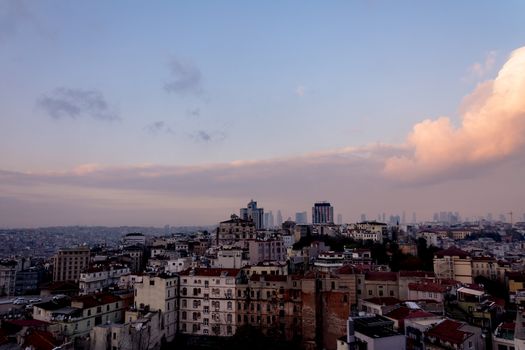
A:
(76, 103)
(492, 129)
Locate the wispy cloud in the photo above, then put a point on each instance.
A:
(159, 127)
(185, 78)
(480, 70)
(194, 112)
(208, 136)
(156, 194)
(76, 103)
(300, 90)
(492, 129)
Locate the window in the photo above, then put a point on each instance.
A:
(391, 293)
(206, 321)
(184, 315)
(151, 282)
(184, 303)
(229, 305)
(114, 335)
(370, 292)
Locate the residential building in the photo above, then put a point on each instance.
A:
(97, 277)
(68, 263)
(371, 332)
(208, 304)
(235, 231)
(76, 317)
(453, 263)
(159, 293)
(266, 250)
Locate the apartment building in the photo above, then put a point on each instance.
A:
(235, 231)
(453, 263)
(98, 277)
(68, 263)
(272, 302)
(208, 301)
(266, 250)
(159, 293)
(76, 317)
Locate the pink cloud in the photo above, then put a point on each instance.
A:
(492, 129)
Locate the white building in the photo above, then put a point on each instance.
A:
(159, 293)
(207, 301)
(96, 278)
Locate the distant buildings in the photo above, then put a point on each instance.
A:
(322, 213)
(251, 212)
(268, 220)
(301, 218)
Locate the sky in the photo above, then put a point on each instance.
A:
(180, 112)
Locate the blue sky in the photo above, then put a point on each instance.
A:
(249, 80)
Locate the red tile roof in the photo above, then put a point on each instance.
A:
(427, 287)
(28, 323)
(398, 314)
(89, 301)
(40, 340)
(416, 274)
(452, 251)
(381, 276)
(383, 300)
(448, 331)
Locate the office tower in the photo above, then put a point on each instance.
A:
(403, 218)
(301, 218)
(384, 218)
(322, 213)
(69, 262)
(252, 213)
(339, 219)
(279, 219)
(268, 220)
(363, 217)
(414, 220)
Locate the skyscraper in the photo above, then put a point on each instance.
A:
(339, 219)
(322, 213)
(268, 220)
(301, 218)
(279, 219)
(252, 213)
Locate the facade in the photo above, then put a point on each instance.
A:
(76, 317)
(322, 213)
(99, 277)
(69, 262)
(267, 250)
(453, 263)
(272, 302)
(235, 231)
(133, 239)
(8, 271)
(159, 294)
(252, 213)
(208, 301)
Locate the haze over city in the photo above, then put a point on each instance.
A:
(118, 113)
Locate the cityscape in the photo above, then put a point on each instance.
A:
(343, 175)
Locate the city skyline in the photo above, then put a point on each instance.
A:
(164, 116)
